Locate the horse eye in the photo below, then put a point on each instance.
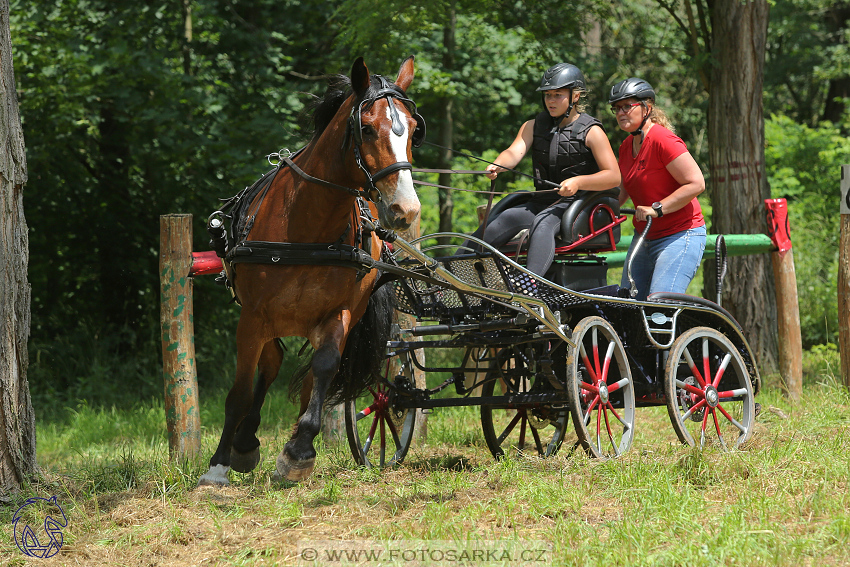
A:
(367, 131)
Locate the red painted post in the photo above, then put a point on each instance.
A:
(787, 304)
(180, 376)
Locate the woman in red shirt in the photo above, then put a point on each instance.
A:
(663, 181)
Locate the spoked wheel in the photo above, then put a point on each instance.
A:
(708, 390)
(602, 394)
(378, 433)
(535, 429)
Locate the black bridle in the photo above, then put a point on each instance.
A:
(354, 132)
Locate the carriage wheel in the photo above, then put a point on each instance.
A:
(518, 428)
(708, 390)
(601, 391)
(378, 433)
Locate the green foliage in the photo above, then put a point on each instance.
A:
(804, 165)
(807, 49)
(126, 119)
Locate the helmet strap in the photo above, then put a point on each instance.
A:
(643, 122)
(558, 119)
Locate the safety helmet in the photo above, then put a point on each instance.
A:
(562, 76)
(631, 88)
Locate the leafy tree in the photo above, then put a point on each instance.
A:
(131, 120)
(807, 69)
(478, 64)
(804, 164)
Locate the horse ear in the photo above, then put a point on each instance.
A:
(359, 77)
(405, 74)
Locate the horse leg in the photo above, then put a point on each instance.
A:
(245, 452)
(298, 457)
(236, 406)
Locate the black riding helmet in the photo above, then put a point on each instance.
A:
(562, 76)
(632, 88)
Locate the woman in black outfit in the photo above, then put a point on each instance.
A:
(568, 147)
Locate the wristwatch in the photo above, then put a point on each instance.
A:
(656, 206)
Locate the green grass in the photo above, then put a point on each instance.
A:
(783, 500)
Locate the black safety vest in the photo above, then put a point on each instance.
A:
(560, 153)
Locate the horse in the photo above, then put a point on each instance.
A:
(361, 146)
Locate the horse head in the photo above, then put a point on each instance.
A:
(384, 126)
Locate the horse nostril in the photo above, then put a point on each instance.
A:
(399, 212)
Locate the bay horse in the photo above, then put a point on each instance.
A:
(361, 145)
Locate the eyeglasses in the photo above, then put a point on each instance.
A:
(624, 108)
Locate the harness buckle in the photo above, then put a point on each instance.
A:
(278, 157)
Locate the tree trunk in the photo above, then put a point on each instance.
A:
(738, 183)
(187, 37)
(17, 420)
(446, 131)
(836, 19)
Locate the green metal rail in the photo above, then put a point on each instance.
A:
(736, 245)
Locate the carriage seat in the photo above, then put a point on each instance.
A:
(592, 209)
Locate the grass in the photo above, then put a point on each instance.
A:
(783, 500)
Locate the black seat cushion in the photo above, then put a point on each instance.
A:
(575, 223)
(586, 214)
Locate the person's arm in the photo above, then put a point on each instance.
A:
(509, 158)
(688, 175)
(608, 175)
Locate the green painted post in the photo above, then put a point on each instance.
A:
(736, 245)
(182, 416)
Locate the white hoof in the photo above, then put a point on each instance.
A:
(216, 476)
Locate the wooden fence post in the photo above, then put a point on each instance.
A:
(180, 375)
(844, 277)
(787, 305)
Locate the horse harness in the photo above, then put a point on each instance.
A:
(246, 204)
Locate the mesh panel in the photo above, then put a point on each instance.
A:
(426, 300)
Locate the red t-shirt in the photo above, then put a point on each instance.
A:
(646, 180)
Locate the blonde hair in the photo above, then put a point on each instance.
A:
(658, 116)
(581, 103)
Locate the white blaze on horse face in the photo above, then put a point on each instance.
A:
(405, 200)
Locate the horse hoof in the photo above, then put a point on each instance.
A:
(293, 471)
(216, 476)
(244, 462)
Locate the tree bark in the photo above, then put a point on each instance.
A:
(17, 419)
(187, 37)
(836, 19)
(738, 183)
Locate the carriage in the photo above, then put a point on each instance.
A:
(539, 354)
(311, 252)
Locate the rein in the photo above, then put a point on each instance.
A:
(450, 171)
(544, 181)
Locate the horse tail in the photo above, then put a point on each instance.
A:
(364, 353)
(365, 350)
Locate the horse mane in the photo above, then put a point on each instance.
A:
(325, 107)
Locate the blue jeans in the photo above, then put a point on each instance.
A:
(666, 264)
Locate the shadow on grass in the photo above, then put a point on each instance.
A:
(455, 463)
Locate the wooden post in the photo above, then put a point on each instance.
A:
(787, 305)
(844, 277)
(182, 415)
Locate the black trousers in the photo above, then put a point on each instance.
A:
(541, 215)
